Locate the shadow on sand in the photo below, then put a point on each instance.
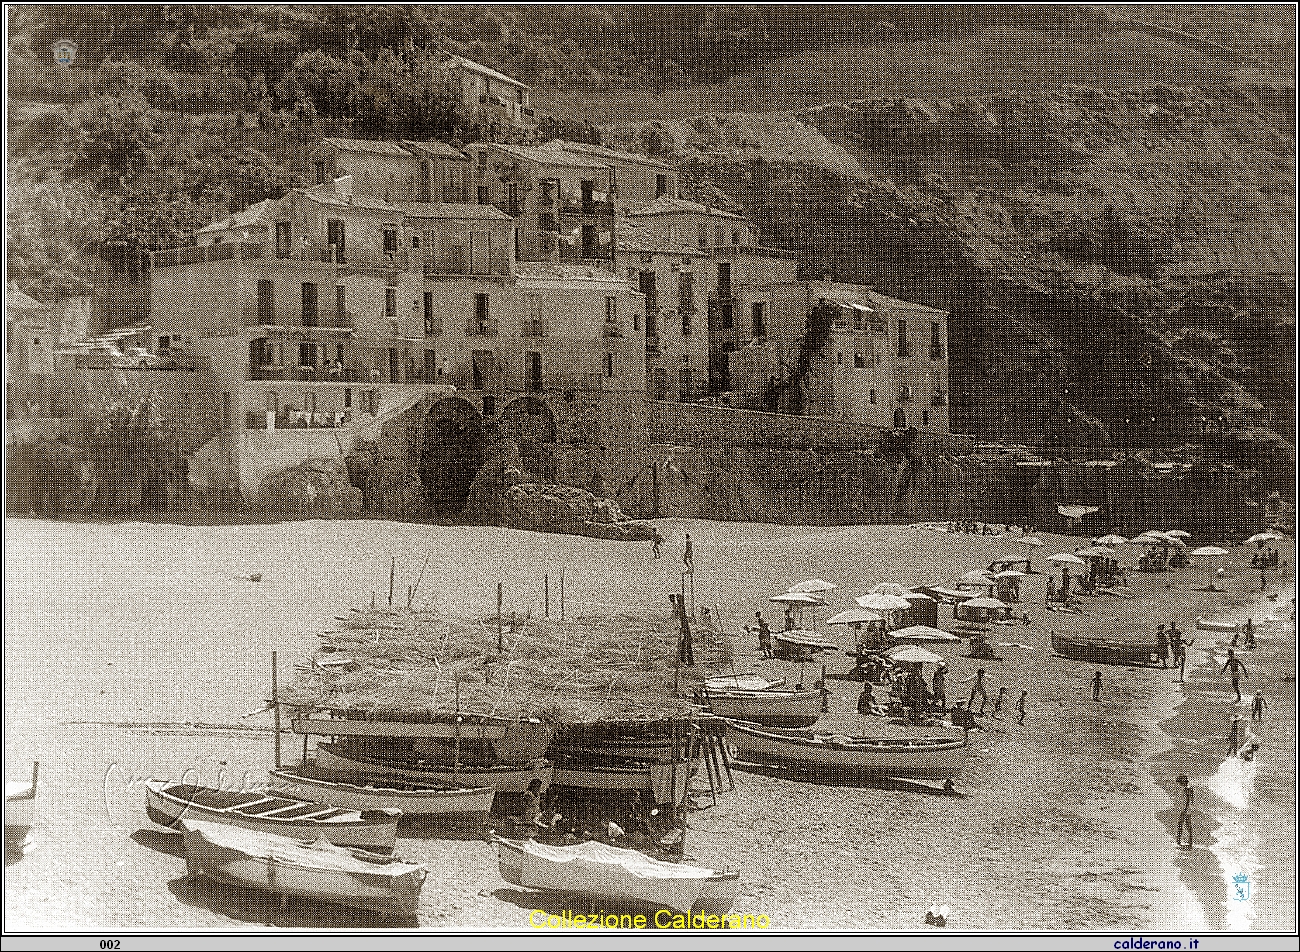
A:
(292, 912)
(161, 841)
(935, 788)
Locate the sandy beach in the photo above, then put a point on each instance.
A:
(135, 650)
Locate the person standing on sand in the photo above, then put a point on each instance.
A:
(1162, 645)
(937, 687)
(1185, 818)
(1238, 670)
(688, 555)
(1020, 707)
(997, 705)
(656, 544)
(1233, 743)
(977, 688)
(764, 635)
(1096, 686)
(1257, 708)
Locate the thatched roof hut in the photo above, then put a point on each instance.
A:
(384, 664)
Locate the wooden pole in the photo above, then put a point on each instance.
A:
(546, 590)
(392, 572)
(561, 594)
(275, 705)
(500, 641)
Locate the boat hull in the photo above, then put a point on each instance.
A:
(1109, 652)
(770, 708)
(500, 779)
(20, 809)
(671, 785)
(922, 758)
(373, 832)
(288, 867)
(1204, 625)
(616, 877)
(352, 792)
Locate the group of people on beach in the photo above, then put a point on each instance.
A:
(617, 821)
(919, 699)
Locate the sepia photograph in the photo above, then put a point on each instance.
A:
(561, 472)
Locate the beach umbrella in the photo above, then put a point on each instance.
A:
(1260, 537)
(1178, 534)
(1154, 534)
(978, 577)
(917, 597)
(1095, 552)
(890, 588)
(854, 616)
(1010, 573)
(1210, 550)
(912, 654)
(879, 601)
(813, 585)
(1111, 539)
(797, 598)
(1065, 558)
(1030, 540)
(985, 602)
(1275, 536)
(1174, 540)
(915, 634)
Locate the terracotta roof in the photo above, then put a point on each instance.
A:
(680, 206)
(249, 216)
(436, 149)
(634, 237)
(452, 210)
(547, 155)
(334, 200)
(608, 153)
(488, 71)
(367, 145)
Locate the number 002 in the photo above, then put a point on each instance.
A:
(110, 943)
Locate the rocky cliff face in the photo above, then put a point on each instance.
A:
(1119, 267)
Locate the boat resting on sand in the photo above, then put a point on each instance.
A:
(772, 708)
(358, 792)
(615, 876)
(742, 682)
(666, 782)
(1106, 651)
(20, 800)
(834, 754)
(503, 779)
(799, 645)
(1205, 625)
(168, 804)
(291, 867)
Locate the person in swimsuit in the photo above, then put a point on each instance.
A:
(1184, 818)
(1238, 670)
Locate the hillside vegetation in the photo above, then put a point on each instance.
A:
(1102, 196)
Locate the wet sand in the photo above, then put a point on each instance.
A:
(119, 635)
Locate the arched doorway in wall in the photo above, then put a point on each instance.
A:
(529, 422)
(454, 449)
(900, 419)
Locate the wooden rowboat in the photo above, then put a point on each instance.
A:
(742, 682)
(20, 800)
(357, 792)
(506, 779)
(665, 782)
(476, 740)
(1105, 651)
(168, 804)
(800, 645)
(1204, 625)
(832, 754)
(290, 867)
(773, 708)
(616, 876)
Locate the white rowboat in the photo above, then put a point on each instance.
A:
(501, 779)
(20, 800)
(831, 754)
(357, 792)
(290, 867)
(773, 708)
(168, 804)
(612, 875)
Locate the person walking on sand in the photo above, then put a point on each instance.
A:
(688, 555)
(977, 688)
(1162, 645)
(656, 544)
(1238, 670)
(1233, 743)
(1020, 707)
(764, 635)
(1096, 686)
(864, 700)
(937, 687)
(1257, 708)
(1185, 817)
(997, 705)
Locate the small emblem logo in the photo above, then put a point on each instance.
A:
(1241, 887)
(65, 51)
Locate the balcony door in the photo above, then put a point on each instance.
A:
(310, 309)
(335, 238)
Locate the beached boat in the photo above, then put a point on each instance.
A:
(613, 876)
(833, 754)
(20, 800)
(742, 682)
(1105, 650)
(358, 792)
(799, 645)
(476, 740)
(168, 804)
(665, 782)
(291, 867)
(504, 779)
(1205, 625)
(772, 708)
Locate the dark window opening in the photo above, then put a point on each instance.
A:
(759, 320)
(283, 240)
(428, 314)
(903, 350)
(936, 341)
(390, 302)
(390, 243)
(489, 405)
(724, 279)
(310, 314)
(481, 314)
(266, 302)
(925, 417)
(483, 195)
(321, 174)
(341, 305)
(532, 371)
(335, 237)
(661, 185)
(609, 365)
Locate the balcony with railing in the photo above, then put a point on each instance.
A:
(481, 327)
(310, 254)
(455, 260)
(326, 320)
(537, 245)
(304, 374)
(533, 328)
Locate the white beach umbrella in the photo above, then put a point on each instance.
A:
(854, 616)
(1065, 558)
(916, 634)
(813, 585)
(890, 588)
(1178, 534)
(911, 654)
(1212, 551)
(879, 601)
(797, 598)
(1030, 540)
(1010, 573)
(1095, 551)
(985, 603)
(1110, 539)
(1260, 537)
(978, 577)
